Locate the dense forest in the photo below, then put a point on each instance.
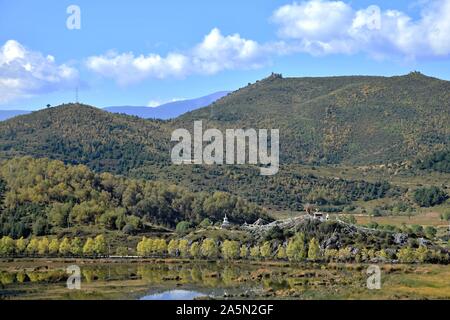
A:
(40, 196)
(290, 189)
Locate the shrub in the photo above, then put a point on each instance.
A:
(183, 227)
(428, 197)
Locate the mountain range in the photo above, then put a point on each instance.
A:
(351, 120)
(329, 122)
(164, 111)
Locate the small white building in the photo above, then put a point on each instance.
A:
(225, 224)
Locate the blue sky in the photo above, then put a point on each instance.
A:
(142, 52)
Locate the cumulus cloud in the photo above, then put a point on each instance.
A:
(214, 54)
(217, 53)
(126, 68)
(327, 27)
(25, 73)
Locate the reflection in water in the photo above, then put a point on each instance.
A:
(174, 295)
(158, 280)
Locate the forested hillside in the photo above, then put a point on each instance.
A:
(354, 120)
(80, 134)
(43, 196)
(290, 189)
(333, 121)
(339, 120)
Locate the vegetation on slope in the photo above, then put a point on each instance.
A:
(290, 189)
(337, 120)
(42, 196)
(351, 120)
(80, 134)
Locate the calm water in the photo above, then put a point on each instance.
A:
(186, 281)
(175, 295)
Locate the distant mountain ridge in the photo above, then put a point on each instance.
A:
(165, 111)
(168, 110)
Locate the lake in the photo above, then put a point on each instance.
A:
(187, 280)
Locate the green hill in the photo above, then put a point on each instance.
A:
(80, 134)
(340, 120)
(332, 121)
(351, 120)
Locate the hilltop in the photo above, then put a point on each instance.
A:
(81, 134)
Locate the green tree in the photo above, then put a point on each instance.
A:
(195, 250)
(331, 254)
(141, 247)
(243, 252)
(172, 247)
(266, 250)
(53, 247)
(40, 227)
(383, 255)
(205, 223)
(406, 255)
(89, 247)
(76, 247)
(183, 248)
(183, 227)
(344, 254)
(21, 246)
(33, 247)
(230, 250)
(428, 197)
(100, 246)
(422, 254)
(296, 250)
(7, 246)
(209, 249)
(64, 247)
(160, 246)
(281, 252)
(430, 232)
(59, 214)
(313, 250)
(255, 252)
(43, 246)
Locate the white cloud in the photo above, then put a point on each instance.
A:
(320, 20)
(327, 27)
(217, 53)
(214, 54)
(157, 103)
(24, 73)
(126, 68)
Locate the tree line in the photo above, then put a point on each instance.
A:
(45, 247)
(296, 249)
